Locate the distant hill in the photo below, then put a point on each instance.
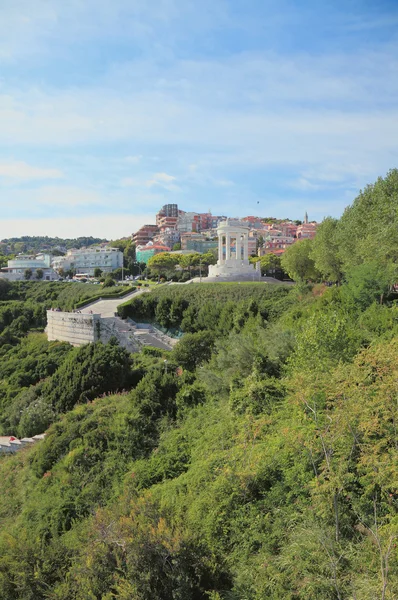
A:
(27, 243)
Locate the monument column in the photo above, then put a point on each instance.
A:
(238, 248)
(245, 247)
(227, 246)
(220, 252)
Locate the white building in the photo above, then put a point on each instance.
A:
(16, 269)
(86, 260)
(168, 237)
(186, 222)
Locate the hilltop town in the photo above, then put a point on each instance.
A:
(174, 231)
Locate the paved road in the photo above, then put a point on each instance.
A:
(107, 308)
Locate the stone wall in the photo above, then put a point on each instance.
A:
(75, 328)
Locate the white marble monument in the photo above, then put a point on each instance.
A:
(233, 256)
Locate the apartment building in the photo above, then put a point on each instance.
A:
(146, 252)
(306, 231)
(145, 234)
(86, 260)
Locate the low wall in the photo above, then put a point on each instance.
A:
(75, 328)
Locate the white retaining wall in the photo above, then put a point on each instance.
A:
(75, 328)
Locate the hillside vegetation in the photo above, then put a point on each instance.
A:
(257, 460)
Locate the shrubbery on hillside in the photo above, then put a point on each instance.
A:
(258, 459)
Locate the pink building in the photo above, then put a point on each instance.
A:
(306, 231)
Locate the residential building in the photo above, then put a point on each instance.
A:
(167, 237)
(167, 217)
(166, 222)
(253, 222)
(197, 242)
(214, 221)
(306, 231)
(187, 222)
(86, 260)
(252, 245)
(145, 234)
(277, 236)
(144, 253)
(288, 228)
(204, 221)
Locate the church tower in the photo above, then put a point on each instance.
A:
(306, 218)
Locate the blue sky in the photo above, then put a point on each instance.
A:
(111, 108)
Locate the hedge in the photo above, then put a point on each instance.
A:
(83, 303)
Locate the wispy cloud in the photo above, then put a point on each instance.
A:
(133, 160)
(24, 171)
(163, 180)
(105, 226)
(274, 103)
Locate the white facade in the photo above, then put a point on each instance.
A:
(168, 237)
(86, 260)
(233, 253)
(185, 222)
(16, 268)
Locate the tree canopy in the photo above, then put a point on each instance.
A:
(298, 263)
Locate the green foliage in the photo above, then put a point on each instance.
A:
(208, 306)
(258, 459)
(28, 243)
(194, 349)
(87, 372)
(367, 230)
(162, 262)
(5, 288)
(109, 282)
(325, 250)
(298, 263)
(64, 295)
(368, 283)
(256, 394)
(22, 366)
(325, 337)
(271, 266)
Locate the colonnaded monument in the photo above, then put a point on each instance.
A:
(233, 255)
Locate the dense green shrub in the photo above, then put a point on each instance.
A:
(208, 305)
(258, 459)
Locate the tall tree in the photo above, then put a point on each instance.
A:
(162, 262)
(271, 266)
(297, 261)
(368, 230)
(325, 250)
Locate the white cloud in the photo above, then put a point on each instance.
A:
(224, 182)
(130, 182)
(77, 201)
(68, 196)
(314, 115)
(305, 185)
(22, 170)
(107, 226)
(163, 180)
(134, 160)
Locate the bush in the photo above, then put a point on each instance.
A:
(109, 282)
